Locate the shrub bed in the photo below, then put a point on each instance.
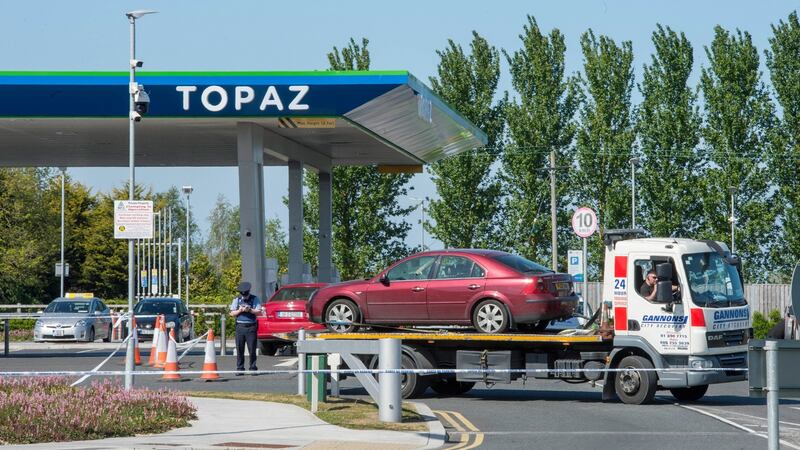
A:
(47, 409)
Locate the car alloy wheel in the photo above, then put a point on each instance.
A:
(341, 316)
(491, 317)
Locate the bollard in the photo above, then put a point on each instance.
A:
(314, 384)
(334, 361)
(773, 424)
(389, 407)
(222, 340)
(6, 336)
(301, 364)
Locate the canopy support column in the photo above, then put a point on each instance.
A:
(250, 150)
(295, 221)
(325, 271)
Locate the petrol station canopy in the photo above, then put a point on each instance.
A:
(80, 119)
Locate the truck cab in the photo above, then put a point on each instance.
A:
(680, 304)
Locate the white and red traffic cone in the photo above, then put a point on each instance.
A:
(171, 366)
(161, 349)
(210, 360)
(154, 345)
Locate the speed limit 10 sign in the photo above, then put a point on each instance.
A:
(584, 222)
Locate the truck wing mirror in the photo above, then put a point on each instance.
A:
(664, 291)
(664, 272)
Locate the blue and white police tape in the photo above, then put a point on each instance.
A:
(362, 371)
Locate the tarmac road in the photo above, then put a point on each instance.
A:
(540, 414)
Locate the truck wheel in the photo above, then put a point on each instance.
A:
(340, 315)
(412, 385)
(690, 394)
(490, 316)
(267, 348)
(450, 387)
(633, 386)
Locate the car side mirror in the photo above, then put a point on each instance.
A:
(664, 290)
(384, 279)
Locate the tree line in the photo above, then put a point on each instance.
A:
(693, 148)
(735, 132)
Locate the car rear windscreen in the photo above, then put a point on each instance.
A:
(521, 264)
(299, 293)
(146, 307)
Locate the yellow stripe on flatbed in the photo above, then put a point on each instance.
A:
(462, 337)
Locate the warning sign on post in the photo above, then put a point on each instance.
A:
(133, 219)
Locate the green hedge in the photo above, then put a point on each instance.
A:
(762, 325)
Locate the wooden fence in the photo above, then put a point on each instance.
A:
(761, 297)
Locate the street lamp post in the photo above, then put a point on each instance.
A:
(634, 163)
(63, 268)
(422, 224)
(732, 219)
(188, 191)
(133, 117)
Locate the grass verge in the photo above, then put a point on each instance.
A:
(47, 409)
(344, 412)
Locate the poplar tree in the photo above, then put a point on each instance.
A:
(605, 138)
(368, 226)
(783, 61)
(540, 119)
(669, 132)
(466, 213)
(739, 118)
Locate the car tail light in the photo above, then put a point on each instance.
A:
(698, 318)
(535, 286)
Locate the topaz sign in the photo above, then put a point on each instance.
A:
(133, 219)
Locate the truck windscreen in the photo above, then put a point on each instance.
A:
(713, 282)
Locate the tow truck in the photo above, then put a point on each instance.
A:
(692, 333)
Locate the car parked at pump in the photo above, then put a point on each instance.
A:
(176, 316)
(490, 290)
(285, 312)
(74, 319)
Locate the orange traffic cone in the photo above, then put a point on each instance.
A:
(171, 367)
(161, 352)
(210, 361)
(137, 354)
(153, 346)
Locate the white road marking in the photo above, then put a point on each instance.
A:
(87, 351)
(734, 424)
(287, 363)
(748, 415)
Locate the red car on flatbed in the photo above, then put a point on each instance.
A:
(285, 312)
(492, 291)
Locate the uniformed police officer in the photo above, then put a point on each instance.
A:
(245, 307)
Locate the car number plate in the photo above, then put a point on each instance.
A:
(291, 314)
(58, 332)
(146, 331)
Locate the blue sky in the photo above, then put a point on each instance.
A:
(261, 35)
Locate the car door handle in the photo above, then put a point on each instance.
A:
(418, 289)
(472, 287)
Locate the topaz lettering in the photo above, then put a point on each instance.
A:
(216, 98)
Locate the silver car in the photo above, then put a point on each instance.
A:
(80, 319)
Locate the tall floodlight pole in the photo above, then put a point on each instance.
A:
(188, 191)
(553, 222)
(63, 268)
(634, 163)
(732, 219)
(133, 117)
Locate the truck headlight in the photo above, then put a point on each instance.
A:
(701, 364)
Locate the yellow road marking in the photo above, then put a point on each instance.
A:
(450, 420)
(464, 420)
(462, 425)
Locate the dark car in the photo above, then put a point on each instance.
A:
(490, 290)
(285, 312)
(175, 314)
